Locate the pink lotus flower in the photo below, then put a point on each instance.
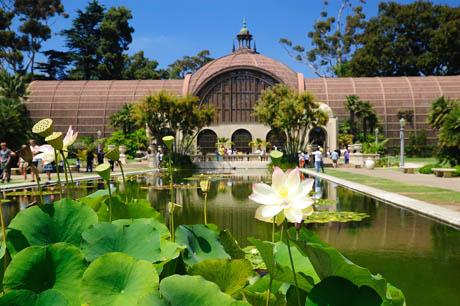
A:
(287, 197)
(47, 151)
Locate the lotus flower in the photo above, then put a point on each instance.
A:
(287, 196)
(46, 155)
(69, 138)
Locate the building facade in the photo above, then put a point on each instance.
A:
(232, 84)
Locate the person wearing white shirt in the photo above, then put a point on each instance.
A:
(318, 158)
(34, 149)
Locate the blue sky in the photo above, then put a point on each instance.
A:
(167, 30)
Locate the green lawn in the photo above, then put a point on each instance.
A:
(428, 160)
(433, 195)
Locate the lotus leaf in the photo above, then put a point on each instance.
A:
(140, 241)
(230, 275)
(18, 298)
(231, 245)
(337, 291)
(201, 241)
(195, 290)
(253, 255)
(157, 222)
(333, 216)
(63, 221)
(118, 279)
(94, 199)
(51, 298)
(140, 208)
(59, 266)
(260, 298)
(261, 285)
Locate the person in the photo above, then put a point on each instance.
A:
(347, 157)
(322, 161)
(48, 169)
(301, 159)
(100, 157)
(34, 150)
(5, 157)
(160, 157)
(307, 159)
(23, 167)
(217, 155)
(318, 157)
(335, 158)
(89, 161)
(78, 165)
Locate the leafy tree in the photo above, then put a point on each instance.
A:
(368, 116)
(83, 40)
(10, 54)
(352, 105)
(413, 39)
(13, 86)
(134, 140)
(291, 112)
(115, 39)
(332, 39)
(189, 64)
(259, 143)
(138, 67)
(14, 123)
(224, 142)
(55, 67)
(123, 119)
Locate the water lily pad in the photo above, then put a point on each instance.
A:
(201, 241)
(63, 221)
(197, 291)
(118, 279)
(51, 297)
(18, 298)
(30, 193)
(157, 222)
(333, 216)
(230, 275)
(59, 266)
(140, 208)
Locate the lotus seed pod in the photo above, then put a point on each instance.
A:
(113, 155)
(55, 140)
(205, 185)
(168, 140)
(43, 127)
(104, 171)
(276, 155)
(26, 154)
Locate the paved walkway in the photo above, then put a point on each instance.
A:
(415, 179)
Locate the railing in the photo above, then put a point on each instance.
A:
(230, 158)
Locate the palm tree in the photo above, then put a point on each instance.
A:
(368, 116)
(352, 105)
(123, 119)
(13, 86)
(223, 142)
(259, 143)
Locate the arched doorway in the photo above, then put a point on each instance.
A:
(207, 140)
(276, 138)
(317, 136)
(241, 139)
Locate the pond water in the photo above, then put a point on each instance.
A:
(416, 254)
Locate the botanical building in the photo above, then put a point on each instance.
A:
(233, 84)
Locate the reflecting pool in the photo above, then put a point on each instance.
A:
(416, 254)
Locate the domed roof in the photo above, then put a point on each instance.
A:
(243, 59)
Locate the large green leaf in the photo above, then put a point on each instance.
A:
(278, 264)
(260, 298)
(231, 245)
(63, 221)
(337, 291)
(137, 209)
(230, 275)
(328, 262)
(141, 241)
(201, 241)
(20, 297)
(194, 291)
(51, 297)
(58, 266)
(157, 222)
(94, 200)
(118, 279)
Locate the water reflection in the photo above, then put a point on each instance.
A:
(418, 255)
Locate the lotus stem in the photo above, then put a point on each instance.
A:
(292, 265)
(66, 176)
(110, 201)
(205, 202)
(66, 163)
(3, 233)
(57, 172)
(35, 170)
(171, 186)
(124, 181)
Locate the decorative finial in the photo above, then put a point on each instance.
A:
(244, 22)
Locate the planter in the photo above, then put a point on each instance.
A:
(110, 147)
(370, 163)
(358, 147)
(351, 147)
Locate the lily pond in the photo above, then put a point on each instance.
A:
(415, 254)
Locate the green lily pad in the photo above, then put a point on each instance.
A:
(30, 193)
(51, 297)
(59, 266)
(333, 216)
(252, 254)
(94, 199)
(140, 208)
(195, 290)
(20, 297)
(201, 241)
(63, 221)
(230, 275)
(140, 241)
(157, 222)
(118, 279)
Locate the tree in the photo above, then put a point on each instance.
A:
(83, 40)
(14, 123)
(291, 112)
(138, 67)
(115, 39)
(333, 40)
(56, 66)
(189, 64)
(13, 86)
(368, 116)
(259, 143)
(123, 119)
(415, 39)
(352, 105)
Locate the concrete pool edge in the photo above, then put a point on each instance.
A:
(432, 211)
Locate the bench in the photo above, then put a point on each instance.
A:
(409, 170)
(139, 159)
(443, 172)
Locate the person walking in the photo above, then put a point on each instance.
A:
(335, 158)
(89, 161)
(34, 149)
(318, 157)
(347, 157)
(5, 157)
(48, 169)
(100, 157)
(301, 159)
(22, 164)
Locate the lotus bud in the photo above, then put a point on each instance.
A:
(113, 155)
(205, 185)
(43, 127)
(168, 140)
(104, 171)
(26, 154)
(276, 155)
(55, 140)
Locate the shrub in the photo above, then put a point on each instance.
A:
(427, 168)
(133, 141)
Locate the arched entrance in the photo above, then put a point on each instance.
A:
(317, 136)
(207, 140)
(241, 139)
(276, 138)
